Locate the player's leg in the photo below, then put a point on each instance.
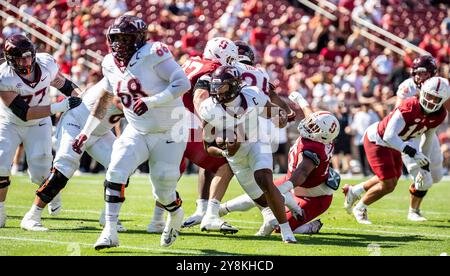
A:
(164, 175)
(100, 149)
(9, 141)
(261, 163)
(387, 164)
(312, 208)
(353, 193)
(129, 151)
(39, 158)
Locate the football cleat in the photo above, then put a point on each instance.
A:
(350, 198)
(55, 206)
(120, 227)
(156, 227)
(2, 219)
(215, 224)
(172, 228)
(269, 224)
(288, 236)
(416, 215)
(32, 224)
(361, 216)
(312, 227)
(194, 219)
(108, 238)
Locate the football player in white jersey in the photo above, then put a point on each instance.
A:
(234, 110)
(67, 161)
(25, 109)
(252, 76)
(423, 68)
(149, 83)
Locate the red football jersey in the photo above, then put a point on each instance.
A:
(417, 121)
(323, 152)
(194, 68)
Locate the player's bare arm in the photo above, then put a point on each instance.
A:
(199, 96)
(274, 98)
(66, 86)
(25, 112)
(303, 170)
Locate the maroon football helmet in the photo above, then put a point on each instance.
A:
(225, 84)
(126, 36)
(423, 68)
(245, 53)
(17, 49)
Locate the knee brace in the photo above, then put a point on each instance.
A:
(51, 186)
(172, 207)
(115, 187)
(4, 182)
(413, 191)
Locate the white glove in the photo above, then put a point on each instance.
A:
(423, 180)
(298, 99)
(66, 104)
(421, 159)
(297, 211)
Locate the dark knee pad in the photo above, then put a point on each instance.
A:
(4, 182)
(51, 186)
(172, 207)
(116, 187)
(413, 191)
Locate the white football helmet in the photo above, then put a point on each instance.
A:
(320, 126)
(433, 93)
(222, 50)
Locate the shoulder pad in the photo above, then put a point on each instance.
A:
(49, 63)
(313, 156)
(159, 52)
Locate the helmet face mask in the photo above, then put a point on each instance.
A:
(126, 36)
(433, 93)
(20, 54)
(321, 126)
(423, 68)
(225, 85)
(245, 53)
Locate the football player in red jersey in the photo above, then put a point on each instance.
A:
(385, 141)
(310, 182)
(213, 171)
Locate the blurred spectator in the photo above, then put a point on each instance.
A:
(276, 52)
(342, 149)
(384, 63)
(10, 28)
(362, 119)
(398, 75)
(113, 8)
(445, 24)
(259, 35)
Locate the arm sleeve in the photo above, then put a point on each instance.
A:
(393, 129)
(170, 71)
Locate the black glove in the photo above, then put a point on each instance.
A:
(74, 102)
(410, 151)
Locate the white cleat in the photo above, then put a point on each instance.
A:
(55, 206)
(350, 198)
(32, 224)
(312, 227)
(215, 224)
(120, 227)
(156, 227)
(108, 238)
(416, 216)
(288, 237)
(361, 216)
(269, 224)
(2, 219)
(172, 228)
(194, 219)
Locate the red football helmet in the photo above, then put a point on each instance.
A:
(20, 54)
(423, 68)
(225, 84)
(126, 36)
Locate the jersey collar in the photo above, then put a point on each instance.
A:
(37, 77)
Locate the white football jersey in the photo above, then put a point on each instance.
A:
(81, 112)
(35, 94)
(253, 101)
(138, 80)
(254, 76)
(407, 89)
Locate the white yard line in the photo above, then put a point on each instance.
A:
(149, 249)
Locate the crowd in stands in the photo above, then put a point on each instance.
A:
(329, 62)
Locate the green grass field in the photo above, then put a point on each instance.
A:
(76, 229)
